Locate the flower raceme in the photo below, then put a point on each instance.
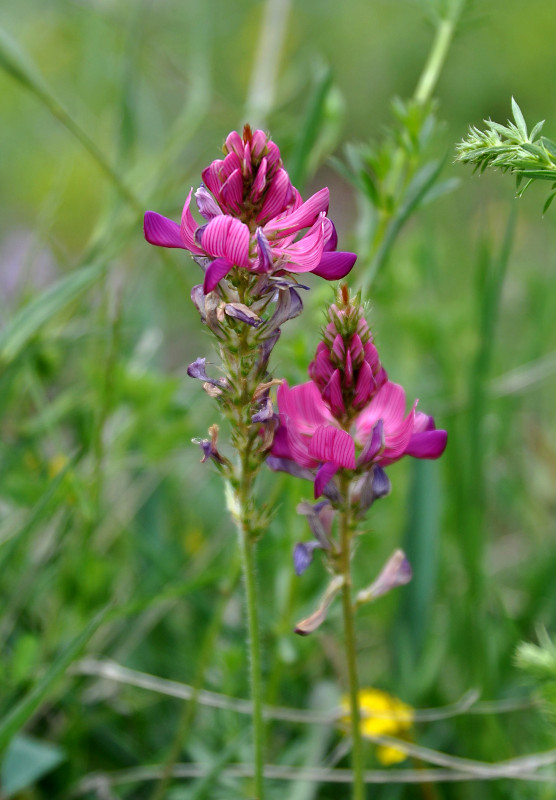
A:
(253, 218)
(349, 416)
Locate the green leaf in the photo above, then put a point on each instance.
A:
(27, 761)
(539, 174)
(549, 145)
(536, 130)
(548, 202)
(24, 710)
(519, 119)
(15, 62)
(31, 318)
(310, 129)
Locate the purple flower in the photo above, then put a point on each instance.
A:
(254, 218)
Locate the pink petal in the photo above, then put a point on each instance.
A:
(364, 389)
(260, 181)
(272, 155)
(162, 231)
(330, 235)
(229, 165)
(211, 177)
(332, 444)
(302, 406)
(207, 205)
(423, 423)
(234, 143)
(229, 238)
(217, 270)
(303, 217)
(232, 190)
(188, 227)
(429, 444)
(306, 254)
(334, 266)
(332, 394)
(258, 143)
(275, 196)
(325, 473)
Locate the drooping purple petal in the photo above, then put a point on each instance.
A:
(215, 272)
(430, 444)
(332, 444)
(320, 518)
(303, 555)
(334, 266)
(264, 251)
(289, 466)
(197, 370)
(396, 572)
(198, 300)
(324, 475)
(289, 305)
(373, 445)
(162, 231)
(265, 412)
(381, 483)
(307, 626)
(242, 312)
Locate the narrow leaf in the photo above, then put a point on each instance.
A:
(519, 119)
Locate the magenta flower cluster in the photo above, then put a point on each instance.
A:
(349, 416)
(253, 218)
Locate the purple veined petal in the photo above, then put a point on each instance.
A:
(338, 347)
(423, 422)
(264, 251)
(332, 394)
(229, 165)
(321, 368)
(290, 466)
(319, 517)
(324, 475)
(232, 190)
(207, 205)
(275, 196)
(272, 155)
(211, 177)
(243, 313)
(429, 444)
(258, 143)
(288, 306)
(197, 370)
(227, 237)
(234, 143)
(334, 266)
(330, 236)
(260, 181)
(199, 233)
(373, 445)
(302, 217)
(188, 227)
(332, 444)
(215, 272)
(162, 231)
(306, 254)
(303, 406)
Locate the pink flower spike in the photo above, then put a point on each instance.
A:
(332, 444)
(216, 270)
(162, 231)
(324, 475)
(430, 444)
(334, 266)
(303, 217)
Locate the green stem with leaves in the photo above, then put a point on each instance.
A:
(346, 532)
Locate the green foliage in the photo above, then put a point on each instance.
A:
(511, 148)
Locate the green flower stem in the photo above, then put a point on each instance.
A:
(247, 548)
(346, 530)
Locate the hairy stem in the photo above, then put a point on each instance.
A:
(247, 547)
(346, 526)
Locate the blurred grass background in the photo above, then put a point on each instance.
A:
(102, 499)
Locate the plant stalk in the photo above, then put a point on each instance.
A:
(350, 647)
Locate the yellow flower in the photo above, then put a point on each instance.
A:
(383, 715)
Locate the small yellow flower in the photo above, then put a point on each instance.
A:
(383, 715)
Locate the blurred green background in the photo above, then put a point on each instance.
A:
(111, 107)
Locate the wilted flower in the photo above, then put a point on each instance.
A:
(253, 216)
